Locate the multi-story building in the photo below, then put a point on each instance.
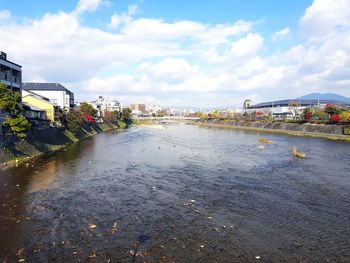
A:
(11, 76)
(102, 105)
(138, 107)
(55, 92)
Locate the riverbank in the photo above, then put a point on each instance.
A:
(39, 142)
(330, 132)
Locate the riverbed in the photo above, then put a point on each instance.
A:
(179, 194)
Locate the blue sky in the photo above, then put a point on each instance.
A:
(183, 53)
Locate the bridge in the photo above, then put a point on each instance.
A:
(167, 119)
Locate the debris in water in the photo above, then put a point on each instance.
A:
(91, 227)
(21, 260)
(257, 257)
(202, 246)
(296, 153)
(114, 228)
(264, 140)
(193, 201)
(93, 255)
(143, 238)
(261, 147)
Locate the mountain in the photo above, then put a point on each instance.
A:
(325, 96)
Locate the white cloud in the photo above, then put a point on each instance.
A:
(324, 16)
(124, 18)
(248, 45)
(281, 34)
(184, 62)
(5, 15)
(87, 6)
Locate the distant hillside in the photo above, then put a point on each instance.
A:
(325, 96)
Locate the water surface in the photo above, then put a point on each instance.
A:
(182, 194)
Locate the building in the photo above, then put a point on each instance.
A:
(37, 101)
(287, 108)
(102, 105)
(32, 112)
(138, 107)
(11, 76)
(55, 92)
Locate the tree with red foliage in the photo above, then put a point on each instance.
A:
(335, 118)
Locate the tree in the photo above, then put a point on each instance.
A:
(10, 103)
(126, 113)
(87, 108)
(345, 116)
(74, 121)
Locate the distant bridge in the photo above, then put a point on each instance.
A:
(168, 119)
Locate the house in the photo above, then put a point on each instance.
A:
(40, 102)
(32, 112)
(102, 105)
(55, 92)
(11, 76)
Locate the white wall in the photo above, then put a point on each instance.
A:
(57, 97)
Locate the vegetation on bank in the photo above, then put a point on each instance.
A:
(10, 104)
(330, 114)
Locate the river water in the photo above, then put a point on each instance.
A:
(180, 194)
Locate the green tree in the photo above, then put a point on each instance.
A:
(126, 113)
(87, 108)
(74, 121)
(10, 103)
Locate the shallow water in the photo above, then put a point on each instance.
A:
(182, 194)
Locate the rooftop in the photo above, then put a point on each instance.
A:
(44, 86)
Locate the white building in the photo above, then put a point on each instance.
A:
(55, 92)
(102, 105)
(287, 108)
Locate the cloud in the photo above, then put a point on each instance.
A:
(124, 18)
(5, 15)
(324, 16)
(248, 45)
(185, 62)
(281, 34)
(87, 6)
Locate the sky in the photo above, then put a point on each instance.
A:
(181, 52)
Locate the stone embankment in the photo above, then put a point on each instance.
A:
(327, 131)
(39, 142)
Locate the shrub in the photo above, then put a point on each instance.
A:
(345, 116)
(18, 125)
(74, 122)
(86, 108)
(335, 118)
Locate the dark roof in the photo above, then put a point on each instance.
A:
(31, 107)
(301, 102)
(10, 62)
(44, 86)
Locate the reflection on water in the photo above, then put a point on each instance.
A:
(182, 194)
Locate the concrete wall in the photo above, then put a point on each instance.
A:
(309, 128)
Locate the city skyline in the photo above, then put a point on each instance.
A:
(184, 54)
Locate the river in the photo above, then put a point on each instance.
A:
(180, 194)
